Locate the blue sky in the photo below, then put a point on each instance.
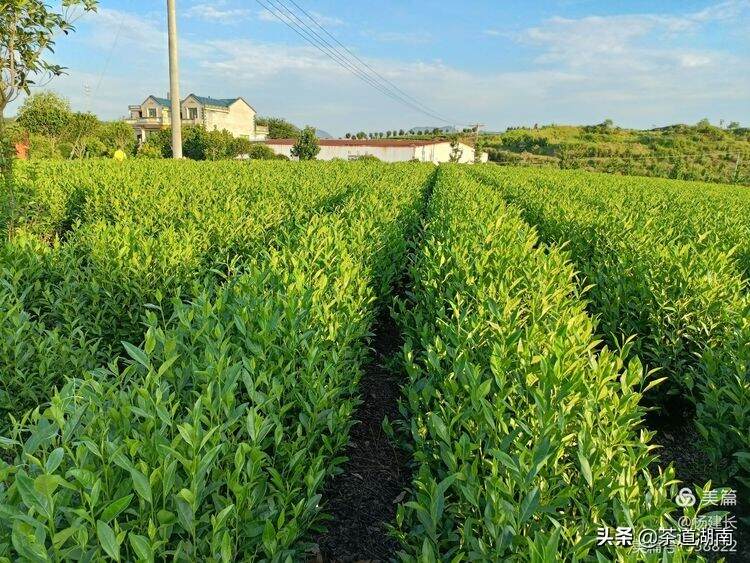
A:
(502, 63)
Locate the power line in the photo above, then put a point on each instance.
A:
(374, 71)
(87, 89)
(319, 43)
(302, 29)
(310, 36)
(109, 55)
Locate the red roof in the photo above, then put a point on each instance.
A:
(360, 142)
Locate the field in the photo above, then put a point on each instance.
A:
(283, 361)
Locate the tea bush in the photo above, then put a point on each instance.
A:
(213, 442)
(527, 436)
(667, 264)
(138, 235)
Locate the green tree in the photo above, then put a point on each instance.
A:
(307, 146)
(81, 133)
(279, 128)
(194, 142)
(42, 147)
(159, 142)
(240, 146)
(27, 32)
(478, 149)
(456, 151)
(218, 145)
(147, 150)
(117, 135)
(45, 114)
(197, 144)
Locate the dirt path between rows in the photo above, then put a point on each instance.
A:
(363, 498)
(680, 444)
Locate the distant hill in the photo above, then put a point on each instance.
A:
(320, 134)
(690, 152)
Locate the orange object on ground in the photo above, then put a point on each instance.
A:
(22, 150)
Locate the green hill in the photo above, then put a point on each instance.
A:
(690, 152)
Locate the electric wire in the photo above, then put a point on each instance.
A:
(374, 71)
(302, 29)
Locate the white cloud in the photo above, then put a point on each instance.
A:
(325, 21)
(723, 11)
(634, 69)
(689, 60)
(218, 13)
(237, 59)
(629, 67)
(623, 40)
(147, 33)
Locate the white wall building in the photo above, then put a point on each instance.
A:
(234, 115)
(387, 150)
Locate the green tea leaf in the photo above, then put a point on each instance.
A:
(137, 354)
(107, 540)
(114, 508)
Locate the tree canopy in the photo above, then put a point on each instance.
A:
(29, 28)
(45, 113)
(307, 146)
(279, 128)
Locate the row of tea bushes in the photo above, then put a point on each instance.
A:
(67, 305)
(526, 434)
(213, 443)
(677, 289)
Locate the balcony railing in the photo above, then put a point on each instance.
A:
(261, 131)
(164, 120)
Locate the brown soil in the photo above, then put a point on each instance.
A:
(362, 500)
(681, 445)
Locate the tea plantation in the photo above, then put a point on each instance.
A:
(182, 348)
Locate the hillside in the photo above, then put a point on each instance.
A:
(700, 152)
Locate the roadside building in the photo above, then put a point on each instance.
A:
(232, 114)
(387, 150)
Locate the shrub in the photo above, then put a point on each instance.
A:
(526, 439)
(260, 151)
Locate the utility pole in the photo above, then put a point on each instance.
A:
(174, 81)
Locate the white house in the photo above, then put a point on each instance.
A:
(233, 114)
(387, 150)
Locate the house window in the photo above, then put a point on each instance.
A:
(152, 112)
(192, 113)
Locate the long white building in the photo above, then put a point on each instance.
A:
(387, 150)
